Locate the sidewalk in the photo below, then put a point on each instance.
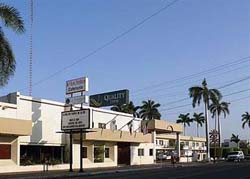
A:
(90, 172)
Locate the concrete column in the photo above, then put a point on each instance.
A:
(178, 147)
(154, 142)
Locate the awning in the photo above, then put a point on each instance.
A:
(161, 126)
(17, 127)
(115, 136)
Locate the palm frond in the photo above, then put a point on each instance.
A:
(11, 18)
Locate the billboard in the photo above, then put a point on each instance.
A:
(110, 99)
(77, 85)
(72, 120)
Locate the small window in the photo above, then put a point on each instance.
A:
(197, 144)
(150, 152)
(140, 152)
(193, 144)
(102, 125)
(187, 143)
(156, 141)
(99, 154)
(106, 152)
(84, 152)
(161, 142)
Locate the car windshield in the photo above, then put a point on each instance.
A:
(233, 153)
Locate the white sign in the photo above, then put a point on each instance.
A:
(77, 85)
(77, 100)
(79, 119)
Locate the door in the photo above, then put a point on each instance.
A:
(123, 153)
(5, 151)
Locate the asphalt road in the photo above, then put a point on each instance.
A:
(212, 171)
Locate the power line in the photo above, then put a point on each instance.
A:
(224, 86)
(188, 104)
(232, 101)
(108, 43)
(184, 84)
(217, 68)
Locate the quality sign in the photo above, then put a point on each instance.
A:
(77, 85)
(72, 120)
(110, 99)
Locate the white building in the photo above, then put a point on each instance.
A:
(30, 133)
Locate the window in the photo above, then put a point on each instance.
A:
(99, 154)
(171, 142)
(203, 144)
(30, 155)
(193, 144)
(106, 152)
(161, 142)
(140, 152)
(187, 143)
(102, 125)
(156, 142)
(197, 144)
(84, 152)
(113, 125)
(151, 152)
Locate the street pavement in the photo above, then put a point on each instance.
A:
(212, 171)
(220, 170)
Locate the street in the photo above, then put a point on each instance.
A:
(221, 170)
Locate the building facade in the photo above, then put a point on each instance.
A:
(30, 135)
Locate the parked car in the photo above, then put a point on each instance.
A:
(235, 156)
(162, 157)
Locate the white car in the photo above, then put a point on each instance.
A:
(235, 156)
(162, 157)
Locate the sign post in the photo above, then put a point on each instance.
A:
(76, 120)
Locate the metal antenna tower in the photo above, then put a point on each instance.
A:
(31, 48)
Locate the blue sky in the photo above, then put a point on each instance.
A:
(189, 37)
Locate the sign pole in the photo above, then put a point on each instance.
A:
(81, 141)
(71, 144)
(81, 152)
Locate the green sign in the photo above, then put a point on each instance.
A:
(110, 99)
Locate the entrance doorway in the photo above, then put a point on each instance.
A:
(123, 153)
(5, 151)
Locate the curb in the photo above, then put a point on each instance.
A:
(95, 173)
(74, 175)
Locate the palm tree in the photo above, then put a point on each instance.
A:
(185, 120)
(11, 19)
(216, 108)
(149, 110)
(235, 138)
(245, 119)
(129, 108)
(199, 93)
(199, 119)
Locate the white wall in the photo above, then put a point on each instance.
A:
(140, 160)
(104, 116)
(46, 120)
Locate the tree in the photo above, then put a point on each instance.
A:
(149, 110)
(185, 120)
(245, 119)
(10, 18)
(235, 138)
(129, 108)
(199, 119)
(216, 108)
(198, 93)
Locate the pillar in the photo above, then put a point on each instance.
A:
(154, 142)
(178, 147)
